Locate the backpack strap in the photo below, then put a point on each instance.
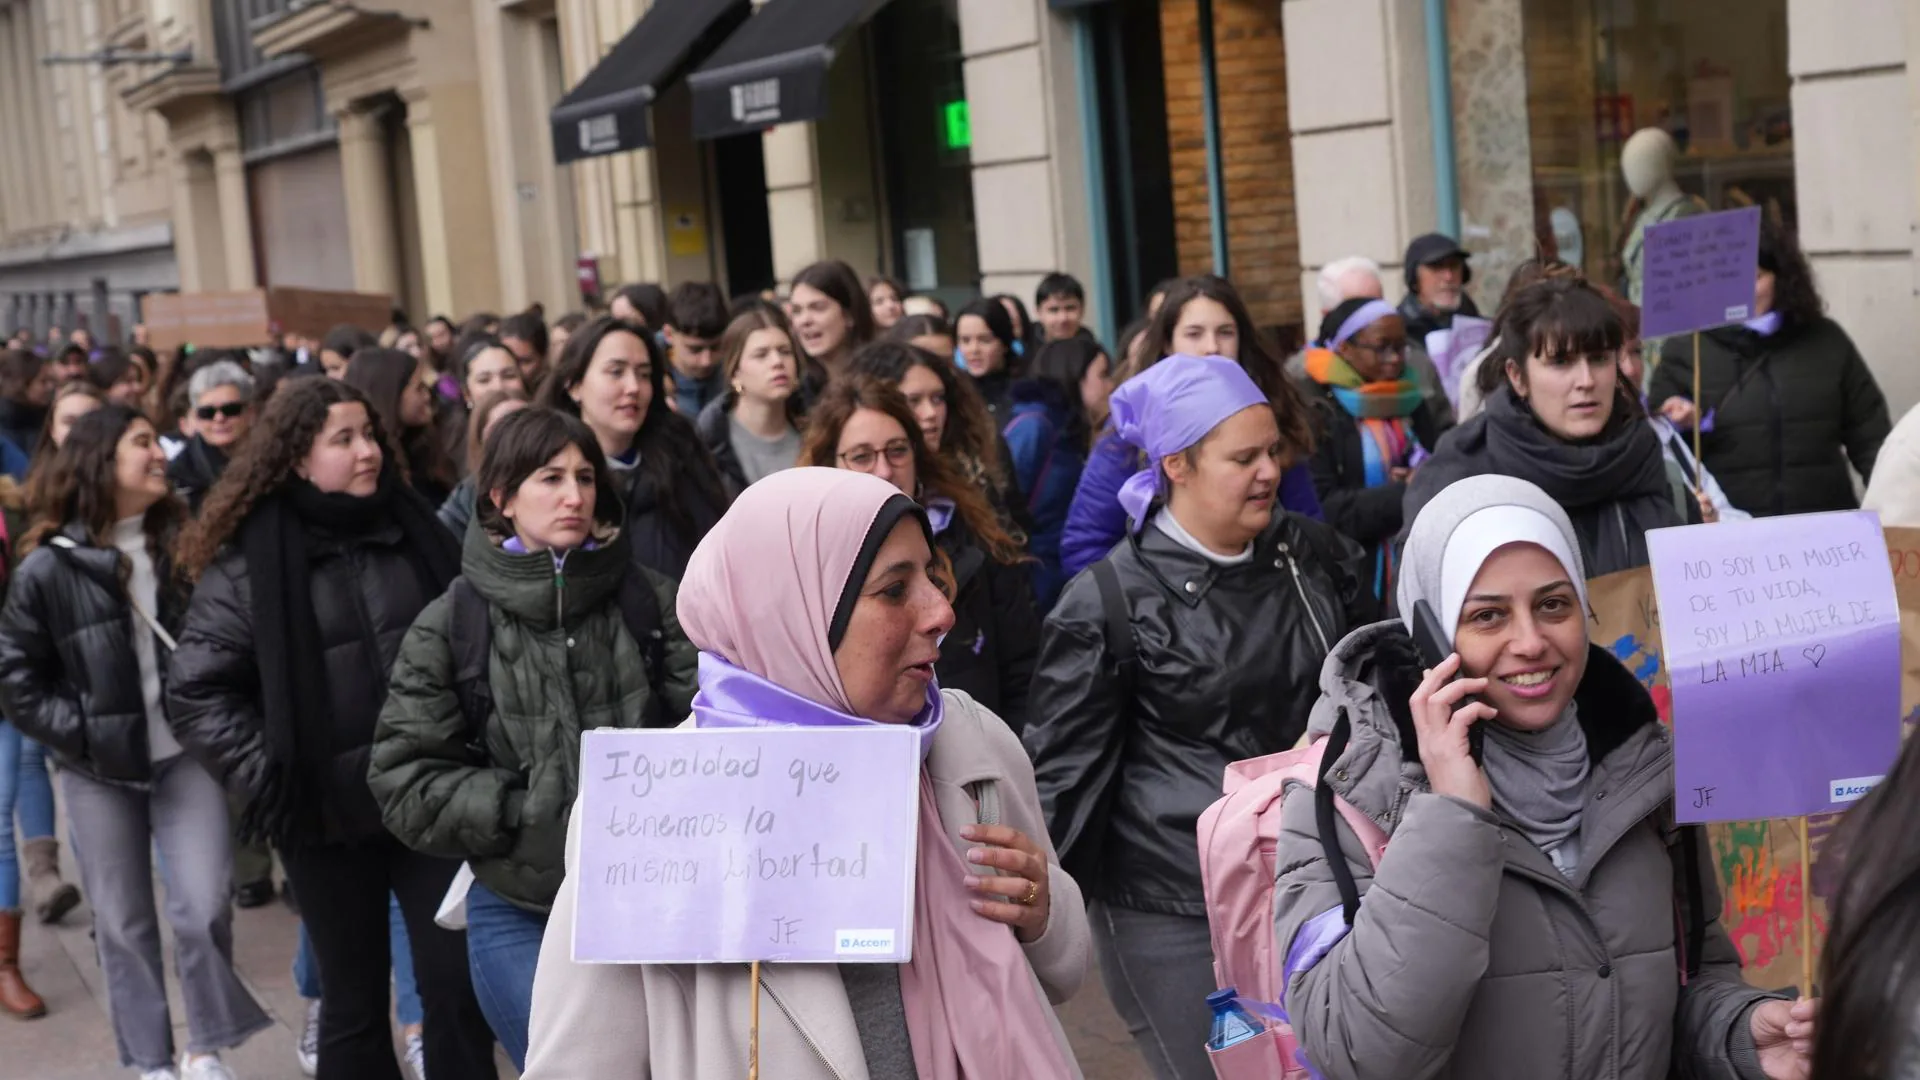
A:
(470, 635)
(1325, 813)
(640, 610)
(1119, 624)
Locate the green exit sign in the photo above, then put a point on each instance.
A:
(958, 127)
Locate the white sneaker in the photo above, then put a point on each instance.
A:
(160, 1074)
(416, 1056)
(204, 1067)
(308, 1050)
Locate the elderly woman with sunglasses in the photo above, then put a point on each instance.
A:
(222, 409)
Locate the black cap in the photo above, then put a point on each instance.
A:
(1429, 249)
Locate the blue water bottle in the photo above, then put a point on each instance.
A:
(1231, 1023)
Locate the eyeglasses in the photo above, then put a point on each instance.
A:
(898, 453)
(1398, 348)
(231, 410)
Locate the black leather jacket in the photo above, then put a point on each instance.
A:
(990, 651)
(69, 675)
(1228, 667)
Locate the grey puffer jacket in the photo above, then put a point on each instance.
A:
(1471, 955)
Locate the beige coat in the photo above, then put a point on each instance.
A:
(689, 1022)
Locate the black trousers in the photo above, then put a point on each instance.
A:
(342, 890)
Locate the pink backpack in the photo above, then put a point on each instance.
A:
(1237, 837)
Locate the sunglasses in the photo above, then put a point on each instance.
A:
(231, 410)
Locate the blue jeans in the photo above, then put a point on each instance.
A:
(503, 946)
(406, 994)
(9, 792)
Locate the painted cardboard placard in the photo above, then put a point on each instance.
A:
(1769, 625)
(702, 846)
(1699, 272)
(252, 317)
(1452, 348)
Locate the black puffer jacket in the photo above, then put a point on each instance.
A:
(195, 470)
(1228, 667)
(657, 544)
(69, 676)
(366, 594)
(1789, 412)
(995, 640)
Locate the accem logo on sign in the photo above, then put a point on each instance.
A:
(1851, 790)
(863, 942)
(755, 102)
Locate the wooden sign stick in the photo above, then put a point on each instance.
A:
(753, 1028)
(1699, 417)
(1806, 910)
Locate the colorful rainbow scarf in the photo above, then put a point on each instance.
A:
(1383, 411)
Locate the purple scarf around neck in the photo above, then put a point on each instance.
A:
(732, 697)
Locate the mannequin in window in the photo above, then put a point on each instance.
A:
(1647, 163)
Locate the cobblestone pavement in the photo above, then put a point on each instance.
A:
(75, 1042)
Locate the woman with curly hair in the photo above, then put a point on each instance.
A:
(613, 377)
(1200, 316)
(313, 557)
(1786, 403)
(88, 618)
(866, 425)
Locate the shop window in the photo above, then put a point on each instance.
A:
(1711, 73)
(925, 148)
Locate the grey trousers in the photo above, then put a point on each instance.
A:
(1158, 970)
(184, 814)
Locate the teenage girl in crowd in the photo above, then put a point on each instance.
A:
(864, 424)
(400, 389)
(1201, 316)
(613, 378)
(992, 352)
(1047, 435)
(489, 409)
(832, 318)
(90, 617)
(753, 427)
(1198, 642)
(312, 558)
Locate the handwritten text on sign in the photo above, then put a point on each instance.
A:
(1783, 645)
(723, 846)
(1699, 272)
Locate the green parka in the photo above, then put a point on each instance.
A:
(563, 662)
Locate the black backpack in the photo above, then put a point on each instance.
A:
(470, 634)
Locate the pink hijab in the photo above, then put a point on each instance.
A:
(761, 593)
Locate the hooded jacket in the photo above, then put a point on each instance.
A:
(1790, 412)
(1046, 458)
(1227, 658)
(69, 672)
(995, 640)
(1472, 955)
(562, 662)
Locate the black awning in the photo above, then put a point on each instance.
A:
(607, 112)
(773, 70)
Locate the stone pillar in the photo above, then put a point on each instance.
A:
(236, 223)
(794, 212)
(1362, 138)
(430, 210)
(1028, 160)
(452, 197)
(1852, 105)
(372, 228)
(1493, 146)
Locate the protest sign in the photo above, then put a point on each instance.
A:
(1453, 348)
(747, 844)
(1769, 624)
(1699, 272)
(251, 317)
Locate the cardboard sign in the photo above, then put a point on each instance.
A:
(1769, 625)
(254, 317)
(1699, 272)
(702, 846)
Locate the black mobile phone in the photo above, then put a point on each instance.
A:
(1431, 640)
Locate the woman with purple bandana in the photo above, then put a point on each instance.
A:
(1198, 642)
(551, 566)
(818, 601)
(1536, 912)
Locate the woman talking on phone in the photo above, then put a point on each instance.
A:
(1536, 912)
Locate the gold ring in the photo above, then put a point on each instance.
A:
(1033, 893)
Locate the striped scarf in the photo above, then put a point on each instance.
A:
(1383, 411)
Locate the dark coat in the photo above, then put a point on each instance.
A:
(995, 640)
(1369, 516)
(657, 544)
(563, 662)
(717, 434)
(1789, 412)
(194, 470)
(366, 594)
(1228, 666)
(69, 674)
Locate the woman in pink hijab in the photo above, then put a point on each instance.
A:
(817, 601)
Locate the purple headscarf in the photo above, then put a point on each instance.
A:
(1170, 407)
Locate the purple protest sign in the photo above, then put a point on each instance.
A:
(702, 846)
(1698, 272)
(1782, 638)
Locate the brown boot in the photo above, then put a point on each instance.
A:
(16, 997)
(52, 897)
